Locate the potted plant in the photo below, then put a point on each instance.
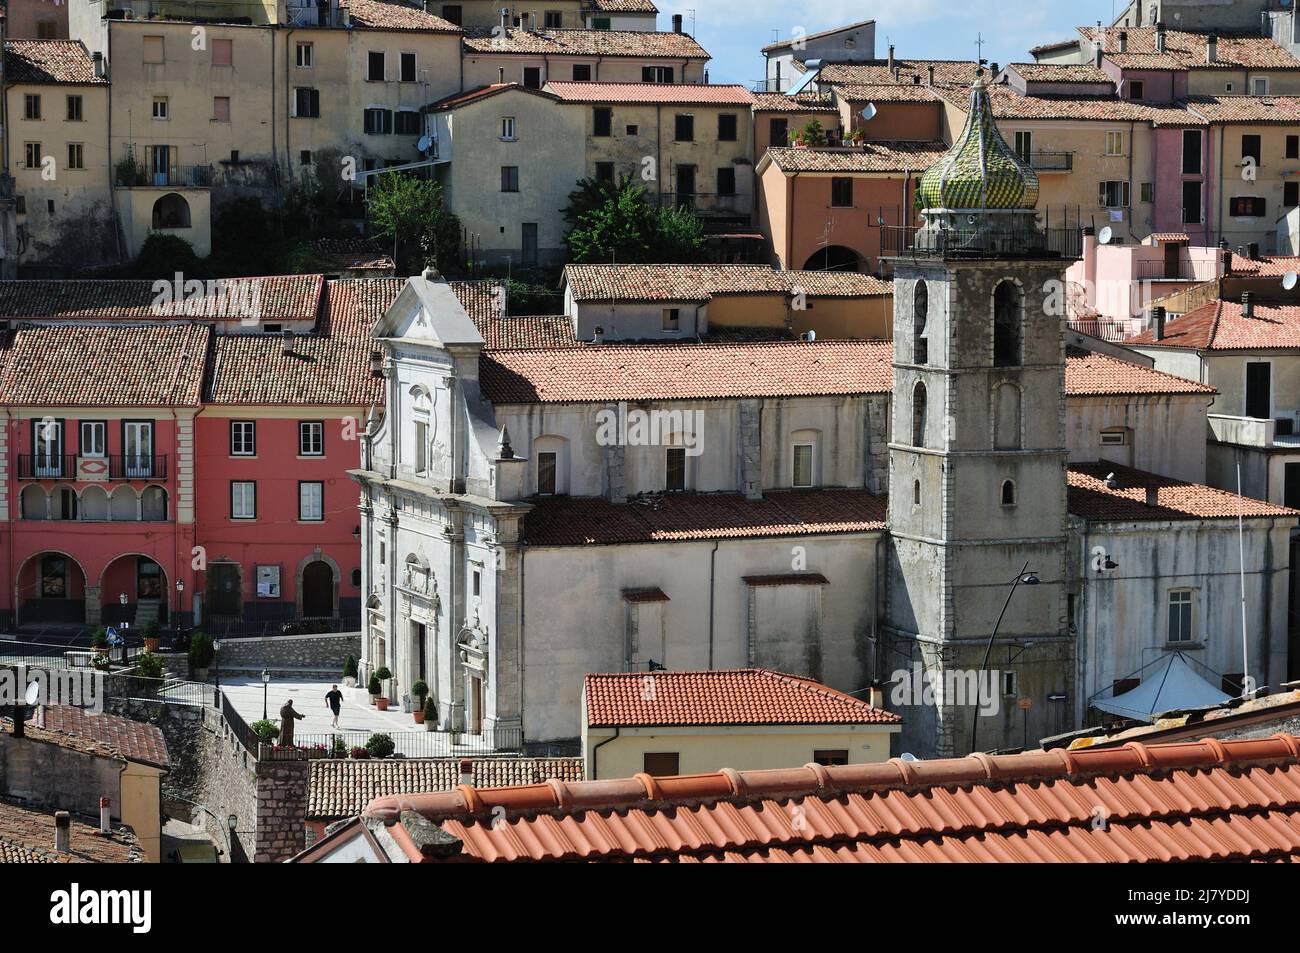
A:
(374, 688)
(359, 753)
(430, 714)
(380, 745)
(381, 675)
(99, 638)
(200, 655)
(350, 672)
(100, 661)
(151, 636)
(266, 730)
(420, 691)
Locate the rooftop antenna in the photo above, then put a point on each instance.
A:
(979, 47)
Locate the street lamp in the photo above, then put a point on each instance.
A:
(1029, 579)
(266, 683)
(125, 624)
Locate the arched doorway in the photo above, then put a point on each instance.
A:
(318, 590)
(50, 587)
(833, 258)
(171, 211)
(141, 579)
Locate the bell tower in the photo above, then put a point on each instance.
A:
(977, 483)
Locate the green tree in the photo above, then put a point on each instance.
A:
(411, 212)
(618, 222)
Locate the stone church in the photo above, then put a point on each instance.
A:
(980, 516)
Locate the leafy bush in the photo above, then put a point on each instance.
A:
(201, 651)
(420, 689)
(373, 686)
(430, 710)
(151, 629)
(161, 256)
(266, 730)
(410, 210)
(622, 223)
(350, 667)
(99, 638)
(383, 673)
(148, 665)
(360, 753)
(338, 749)
(380, 745)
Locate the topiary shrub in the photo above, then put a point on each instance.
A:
(383, 673)
(380, 745)
(201, 651)
(266, 730)
(430, 711)
(350, 667)
(420, 690)
(373, 686)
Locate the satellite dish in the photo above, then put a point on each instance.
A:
(808, 336)
(868, 112)
(424, 144)
(1106, 235)
(33, 693)
(1289, 280)
(909, 757)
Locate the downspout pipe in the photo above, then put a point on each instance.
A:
(595, 773)
(713, 555)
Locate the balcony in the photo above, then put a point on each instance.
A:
(1254, 431)
(132, 174)
(1174, 271)
(1050, 161)
(708, 203)
(91, 469)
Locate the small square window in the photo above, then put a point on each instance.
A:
(830, 756)
(76, 157)
(407, 64)
(306, 53)
(375, 66)
(1180, 615)
(304, 157)
(477, 583)
(160, 107)
(223, 52)
(74, 109)
(153, 49)
(632, 129)
(582, 73)
(508, 128)
(311, 438)
(672, 319)
(243, 438)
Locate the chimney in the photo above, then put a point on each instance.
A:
(97, 59)
(104, 826)
(62, 832)
(1090, 264)
(505, 17)
(677, 23)
(876, 695)
(1211, 49)
(1158, 324)
(1123, 41)
(1153, 496)
(994, 69)
(1160, 37)
(286, 342)
(891, 56)
(1253, 250)
(466, 771)
(1098, 54)
(501, 75)
(1225, 258)
(1247, 306)
(598, 335)
(376, 364)
(532, 22)
(929, 73)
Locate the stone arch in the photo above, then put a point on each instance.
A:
(70, 608)
(171, 211)
(94, 504)
(123, 504)
(306, 574)
(1008, 323)
(1008, 495)
(153, 503)
(1007, 414)
(833, 258)
(110, 596)
(34, 502)
(920, 319)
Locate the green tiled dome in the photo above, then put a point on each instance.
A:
(980, 171)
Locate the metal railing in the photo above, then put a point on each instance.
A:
(1114, 330)
(177, 176)
(73, 653)
(1174, 271)
(115, 467)
(410, 744)
(239, 728)
(231, 628)
(900, 241)
(1050, 161)
(708, 202)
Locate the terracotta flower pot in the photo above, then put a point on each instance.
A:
(151, 645)
(381, 702)
(418, 714)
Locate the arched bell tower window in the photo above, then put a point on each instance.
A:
(920, 315)
(1008, 317)
(916, 492)
(918, 414)
(1008, 493)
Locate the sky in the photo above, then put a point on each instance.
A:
(734, 31)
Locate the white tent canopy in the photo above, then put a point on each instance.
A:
(1171, 684)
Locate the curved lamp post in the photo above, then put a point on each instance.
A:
(1023, 577)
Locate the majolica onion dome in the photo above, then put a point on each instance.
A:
(980, 171)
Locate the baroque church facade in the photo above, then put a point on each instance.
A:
(938, 514)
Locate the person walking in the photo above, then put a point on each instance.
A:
(287, 718)
(334, 702)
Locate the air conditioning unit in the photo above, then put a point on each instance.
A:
(1284, 426)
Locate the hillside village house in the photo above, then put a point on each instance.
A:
(558, 14)
(786, 59)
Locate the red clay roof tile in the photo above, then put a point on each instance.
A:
(1221, 326)
(1090, 498)
(702, 94)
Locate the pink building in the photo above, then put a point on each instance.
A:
(180, 462)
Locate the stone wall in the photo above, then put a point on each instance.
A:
(315, 653)
(281, 809)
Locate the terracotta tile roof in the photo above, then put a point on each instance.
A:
(624, 6)
(800, 102)
(1089, 374)
(1220, 326)
(701, 282)
(330, 365)
(747, 696)
(641, 43)
(1270, 266)
(1090, 498)
(27, 837)
(1009, 104)
(342, 788)
(612, 372)
(456, 100)
(1170, 237)
(49, 61)
(584, 521)
(1061, 73)
(1048, 47)
(1246, 109)
(159, 365)
(353, 254)
(111, 735)
(1187, 50)
(946, 72)
(379, 15)
(1204, 800)
(870, 157)
(279, 298)
(886, 93)
(482, 301)
(695, 94)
